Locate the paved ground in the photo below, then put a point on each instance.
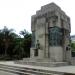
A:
(6, 73)
(62, 69)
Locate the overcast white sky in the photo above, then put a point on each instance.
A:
(16, 14)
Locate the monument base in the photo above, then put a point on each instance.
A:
(41, 62)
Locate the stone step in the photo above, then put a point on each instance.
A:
(36, 70)
(41, 62)
(22, 70)
(45, 64)
(37, 59)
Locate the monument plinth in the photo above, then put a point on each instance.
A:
(51, 34)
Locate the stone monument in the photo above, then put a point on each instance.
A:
(51, 34)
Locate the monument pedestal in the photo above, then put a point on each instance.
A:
(42, 62)
(36, 54)
(56, 53)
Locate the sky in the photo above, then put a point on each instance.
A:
(17, 14)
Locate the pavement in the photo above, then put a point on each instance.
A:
(6, 73)
(62, 69)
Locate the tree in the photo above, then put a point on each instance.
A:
(11, 45)
(26, 42)
(1, 44)
(7, 38)
(19, 50)
(73, 46)
(24, 33)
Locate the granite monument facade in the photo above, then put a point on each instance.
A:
(51, 34)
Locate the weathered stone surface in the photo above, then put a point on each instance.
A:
(52, 29)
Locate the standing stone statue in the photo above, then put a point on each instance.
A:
(37, 48)
(37, 45)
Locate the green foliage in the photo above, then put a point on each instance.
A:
(26, 42)
(7, 37)
(12, 46)
(73, 46)
(24, 33)
(18, 50)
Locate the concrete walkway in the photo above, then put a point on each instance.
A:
(62, 69)
(6, 73)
